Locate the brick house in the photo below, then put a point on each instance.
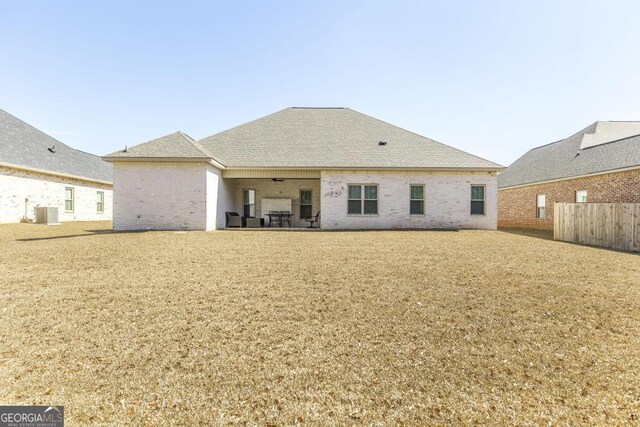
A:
(38, 170)
(599, 164)
(360, 172)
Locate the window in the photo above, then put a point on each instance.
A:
(68, 199)
(306, 208)
(100, 202)
(477, 200)
(581, 196)
(416, 205)
(249, 200)
(540, 204)
(367, 205)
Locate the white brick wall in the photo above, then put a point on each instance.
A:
(447, 200)
(193, 196)
(49, 190)
(213, 179)
(220, 198)
(159, 196)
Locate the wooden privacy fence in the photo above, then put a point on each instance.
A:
(609, 225)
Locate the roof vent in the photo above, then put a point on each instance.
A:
(125, 149)
(382, 142)
(52, 149)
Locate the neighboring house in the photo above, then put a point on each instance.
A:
(360, 172)
(38, 170)
(599, 164)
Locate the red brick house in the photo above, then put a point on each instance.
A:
(599, 164)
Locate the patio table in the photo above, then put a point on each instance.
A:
(279, 216)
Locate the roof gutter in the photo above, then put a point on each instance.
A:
(330, 168)
(288, 168)
(208, 160)
(54, 173)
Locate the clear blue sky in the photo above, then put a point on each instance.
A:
(492, 78)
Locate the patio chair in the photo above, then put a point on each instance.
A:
(233, 219)
(313, 220)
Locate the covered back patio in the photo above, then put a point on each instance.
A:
(275, 202)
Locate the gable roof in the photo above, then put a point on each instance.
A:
(22, 145)
(600, 147)
(174, 145)
(323, 138)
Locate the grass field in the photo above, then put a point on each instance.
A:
(269, 327)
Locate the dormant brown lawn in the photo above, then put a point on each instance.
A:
(269, 327)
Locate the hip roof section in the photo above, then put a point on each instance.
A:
(317, 138)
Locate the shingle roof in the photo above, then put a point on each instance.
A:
(322, 138)
(174, 145)
(23, 145)
(577, 156)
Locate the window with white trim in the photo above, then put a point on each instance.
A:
(581, 196)
(68, 199)
(477, 200)
(540, 205)
(306, 207)
(100, 202)
(416, 204)
(249, 203)
(363, 199)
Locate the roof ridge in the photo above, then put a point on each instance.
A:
(422, 136)
(319, 108)
(160, 137)
(581, 131)
(533, 161)
(620, 121)
(546, 145)
(185, 135)
(199, 147)
(193, 143)
(243, 124)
